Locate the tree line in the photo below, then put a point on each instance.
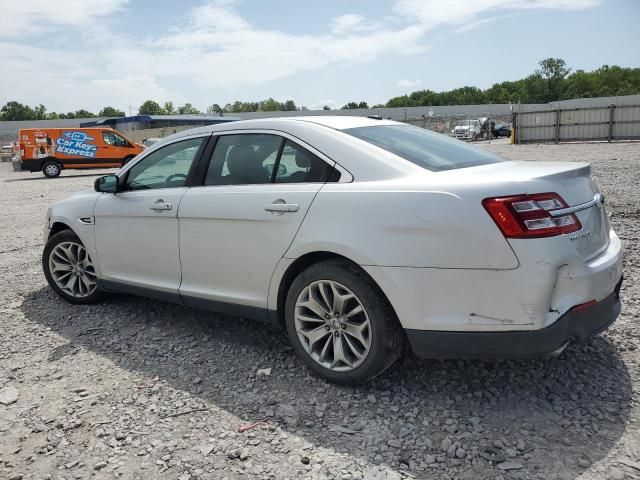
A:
(552, 81)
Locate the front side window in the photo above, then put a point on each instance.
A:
(432, 151)
(166, 167)
(112, 138)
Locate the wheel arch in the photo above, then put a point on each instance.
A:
(305, 261)
(51, 159)
(58, 227)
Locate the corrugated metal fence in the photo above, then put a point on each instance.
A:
(577, 120)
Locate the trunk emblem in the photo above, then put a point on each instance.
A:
(573, 238)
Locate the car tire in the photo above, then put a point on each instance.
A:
(382, 337)
(127, 159)
(51, 169)
(69, 269)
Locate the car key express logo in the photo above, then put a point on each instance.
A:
(76, 144)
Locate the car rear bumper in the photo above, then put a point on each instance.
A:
(574, 326)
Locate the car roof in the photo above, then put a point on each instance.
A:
(342, 122)
(335, 122)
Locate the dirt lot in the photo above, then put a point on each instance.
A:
(140, 389)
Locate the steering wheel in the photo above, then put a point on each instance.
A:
(172, 178)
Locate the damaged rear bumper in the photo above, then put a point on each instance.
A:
(574, 326)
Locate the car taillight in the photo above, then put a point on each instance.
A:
(529, 216)
(21, 150)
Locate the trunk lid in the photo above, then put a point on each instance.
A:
(572, 181)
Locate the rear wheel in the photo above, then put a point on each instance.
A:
(69, 269)
(340, 323)
(51, 169)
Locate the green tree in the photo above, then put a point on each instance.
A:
(554, 70)
(17, 111)
(40, 112)
(354, 105)
(326, 107)
(289, 106)
(168, 108)
(239, 106)
(187, 108)
(82, 113)
(215, 108)
(271, 105)
(150, 107)
(110, 112)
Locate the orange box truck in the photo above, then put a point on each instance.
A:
(49, 150)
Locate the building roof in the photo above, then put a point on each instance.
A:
(155, 118)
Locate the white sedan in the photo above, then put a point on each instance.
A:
(360, 236)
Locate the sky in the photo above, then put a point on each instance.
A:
(72, 54)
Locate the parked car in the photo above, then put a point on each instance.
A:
(357, 235)
(50, 150)
(501, 130)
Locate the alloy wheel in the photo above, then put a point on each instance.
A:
(72, 269)
(332, 325)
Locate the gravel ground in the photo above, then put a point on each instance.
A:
(140, 389)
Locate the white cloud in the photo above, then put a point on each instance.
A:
(33, 17)
(133, 90)
(221, 49)
(352, 23)
(404, 83)
(441, 12)
(76, 85)
(211, 48)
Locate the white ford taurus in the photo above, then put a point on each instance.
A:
(359, 235)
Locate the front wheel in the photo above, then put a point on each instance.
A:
(69, 269)
(340, 323)
(51, 169)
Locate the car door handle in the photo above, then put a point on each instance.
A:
(281, 207)
(161, 205)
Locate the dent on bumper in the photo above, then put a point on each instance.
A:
(573, 326)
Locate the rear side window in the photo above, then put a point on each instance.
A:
(298, 165)
(432, 151)
(259, 158)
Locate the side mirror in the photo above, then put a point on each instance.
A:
(107, 184)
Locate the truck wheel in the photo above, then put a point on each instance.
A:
(127, 160)
(51, 169)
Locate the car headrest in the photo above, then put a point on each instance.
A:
(240, 159)
(303, 160)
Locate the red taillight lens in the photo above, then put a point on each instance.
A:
(528, 216)
(22, 150)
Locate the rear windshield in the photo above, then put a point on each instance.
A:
(433, 151)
